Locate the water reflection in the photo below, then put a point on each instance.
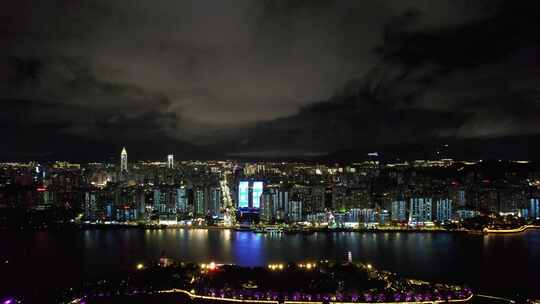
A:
(248, 249)
(474, 259)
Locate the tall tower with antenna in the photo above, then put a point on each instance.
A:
(123, 160)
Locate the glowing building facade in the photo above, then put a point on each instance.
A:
(123, 160)
(170, 161)
(399, 211)
(444, 210)
(243, 194)
(420, 210)
(250, 194)
(256, 194)
(534, 210)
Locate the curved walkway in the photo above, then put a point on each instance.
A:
(195, 296)
(515, 230)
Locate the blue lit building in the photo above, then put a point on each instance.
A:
(249, 194)
(399, 211)
(256, 194)
(243, 194)
(181, 200)
(157, 200)
(534, 208)
(444, 210)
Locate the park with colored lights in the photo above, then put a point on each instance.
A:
(309, 282)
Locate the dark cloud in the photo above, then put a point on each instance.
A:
(267, 77)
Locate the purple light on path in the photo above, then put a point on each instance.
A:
(9, 301)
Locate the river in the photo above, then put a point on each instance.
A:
(495, 264)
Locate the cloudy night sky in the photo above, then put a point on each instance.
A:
(261, 78)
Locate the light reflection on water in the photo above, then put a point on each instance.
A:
(495, 263)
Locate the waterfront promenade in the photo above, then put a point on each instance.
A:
(514, 230)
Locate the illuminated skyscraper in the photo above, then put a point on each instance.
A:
(90, 206)
(170, 161)
(243, 194)
(215, 201)
(181, 200)
(399, 211)
(249, 194)
(444, 210)
(267, 204)
(200, 201)
(534, 211)
(420, 210)
(123, 160)
(157, 200)
(295, 211)
(256, 194)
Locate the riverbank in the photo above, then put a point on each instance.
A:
(290, 231)
(307, 231)
(272, 230)
(460, 258)
(509, 231)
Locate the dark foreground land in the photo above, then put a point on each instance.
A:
(317, 282)
(181, 298)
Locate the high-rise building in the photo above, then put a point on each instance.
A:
(90, 206)
(399, 211)
(464, 213)
(534, 208)
(444, 210)
(295, 211)
(267, 204)
(282, 201)
(141, 203)
(249, 194)
(256, 193)
(157, 200)
(243, 194)
(214, 207)
(366, 216)
(420, 210)
(170, 161)
(317, 198)
(181, 200)
(123, 160)
(461, 197)
(199, 202)
(383, 217)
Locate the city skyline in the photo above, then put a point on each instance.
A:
(270, 151)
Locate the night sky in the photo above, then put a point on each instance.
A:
(261, 78)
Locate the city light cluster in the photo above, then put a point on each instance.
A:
(307, 266)
(209, 266)
(276, 266)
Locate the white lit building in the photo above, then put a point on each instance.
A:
(420, 210)
(170, 161)
(444, 210)
(399, 211)
(123, 160)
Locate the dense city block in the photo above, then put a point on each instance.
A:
(290, 197)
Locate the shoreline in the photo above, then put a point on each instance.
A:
(510, 231)
(86, 227)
